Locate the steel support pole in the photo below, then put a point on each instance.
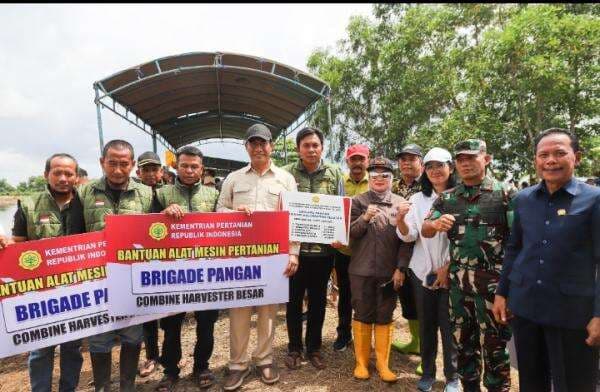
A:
(154, 141)
(329, 113)
(284, 144)
(328, 98)
(99, 118)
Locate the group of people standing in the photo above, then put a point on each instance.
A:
(403, 238)
(467, 256)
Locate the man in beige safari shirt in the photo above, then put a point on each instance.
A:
(255, 187)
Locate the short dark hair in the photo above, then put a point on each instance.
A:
(82, 172)
(551, 131)
(60, 155)
(188, 150)
(427, 186)
(117, 144)
(304, 132)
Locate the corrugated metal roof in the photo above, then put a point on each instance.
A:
(196, 96)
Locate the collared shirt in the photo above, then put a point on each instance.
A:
(429, 254)
(554, 248)
(259, 192)
(400, 187)
(353, 188)
(326, 179)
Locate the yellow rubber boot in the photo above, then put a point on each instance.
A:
(362, 348)
(383, 337)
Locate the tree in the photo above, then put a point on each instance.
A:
(397, 78)
(537, 72)
(32, 185)
(437, 74)
(278, 155)
(5, 187)
(590, 163)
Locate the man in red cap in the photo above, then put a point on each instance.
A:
(356, 181)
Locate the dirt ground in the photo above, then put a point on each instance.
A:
(336, 377)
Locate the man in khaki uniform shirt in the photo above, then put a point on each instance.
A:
(255, 187)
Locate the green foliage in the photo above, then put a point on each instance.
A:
(590, 163)
(435, 74)
(32, 185)
(5, 187)
(278, 155)
(539, 71)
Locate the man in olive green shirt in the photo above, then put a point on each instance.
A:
(316, 260)
(149, 170)
(115, 194)
(187, 195)
(150, 173)
(55, 212)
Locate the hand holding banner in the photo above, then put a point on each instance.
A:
(53, 291)
(203, 261)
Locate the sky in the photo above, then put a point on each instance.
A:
(50, 56)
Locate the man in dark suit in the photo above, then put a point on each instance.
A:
(549, 287)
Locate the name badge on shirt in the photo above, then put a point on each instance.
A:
(44, 218)
(99, 203)
(461, 229)
(561, 212)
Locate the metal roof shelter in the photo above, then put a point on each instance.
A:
(194, 97)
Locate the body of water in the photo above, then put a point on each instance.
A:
(6, 218)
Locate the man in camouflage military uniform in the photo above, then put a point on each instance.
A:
(187, 195)
(410, 166)
(477, 217)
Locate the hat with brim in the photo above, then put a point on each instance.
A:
(470, 147)
(412, 149)
(259, 130)
(380, 163)
(437, 154)
(148, 158)
(357, 149)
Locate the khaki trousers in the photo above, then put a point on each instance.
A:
(239, 327)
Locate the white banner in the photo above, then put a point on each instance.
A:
(40, 319)
(316, 218)
(54, 291)
(189, 285)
